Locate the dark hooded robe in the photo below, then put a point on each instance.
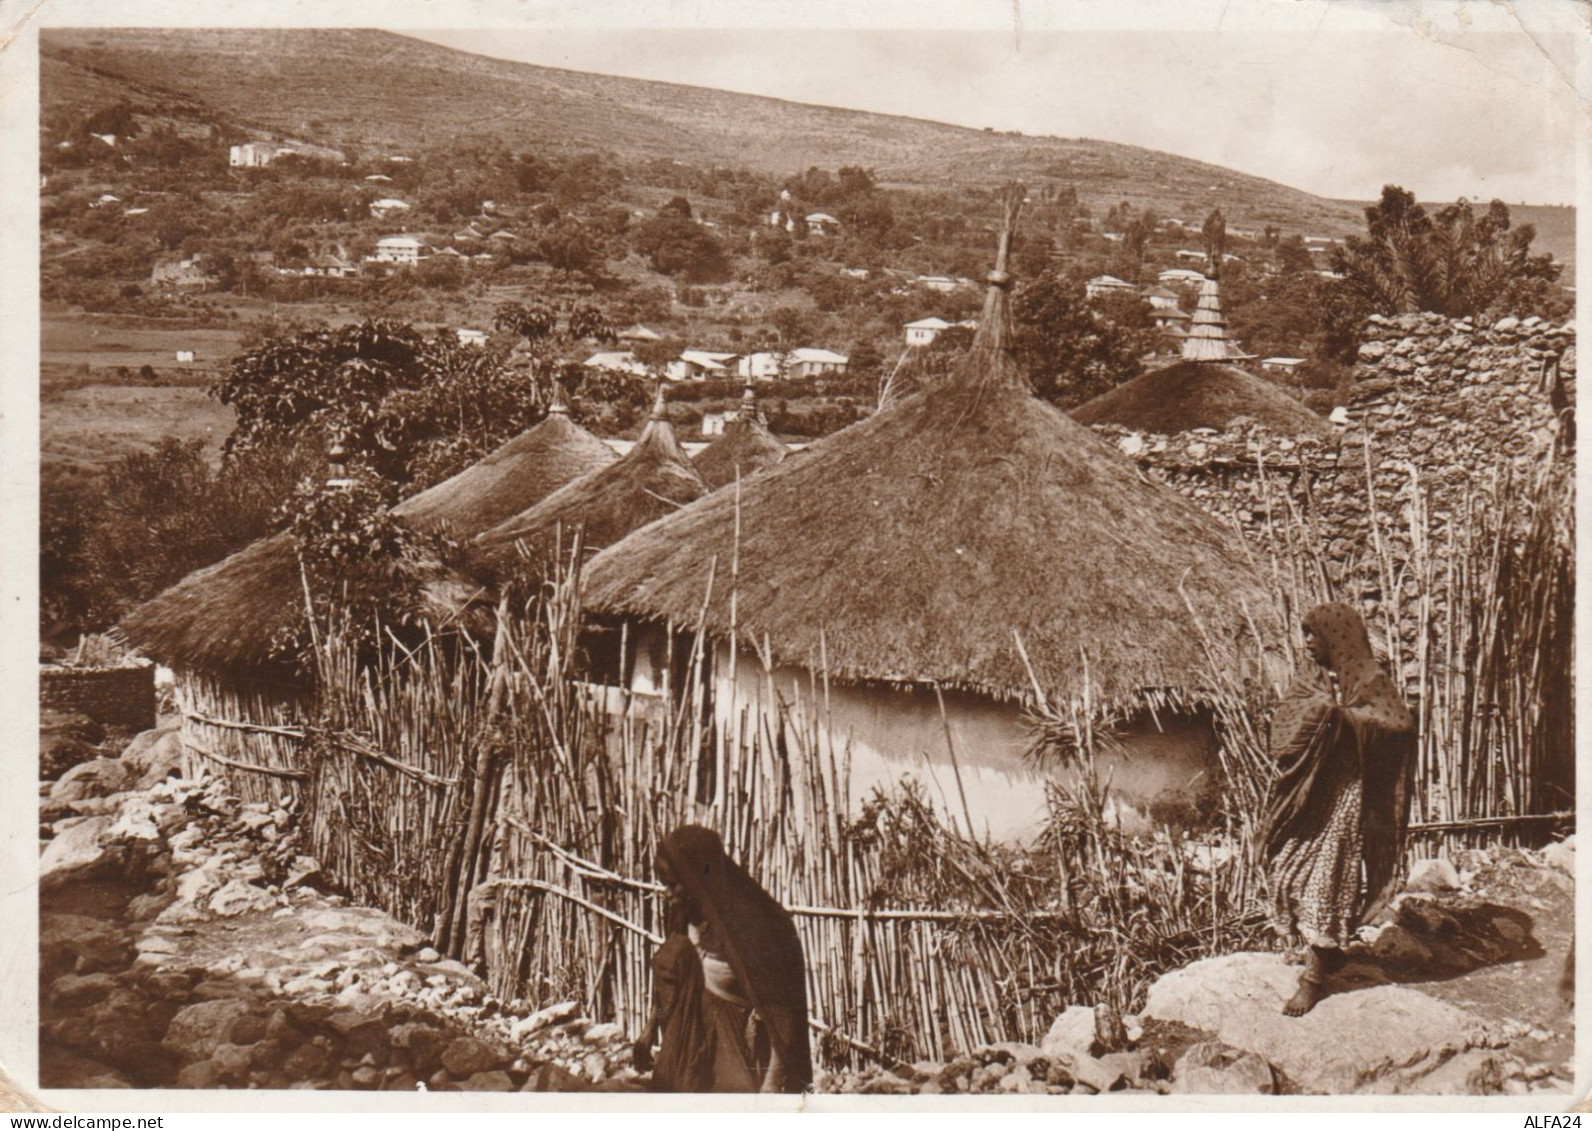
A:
(1340, 804)
(754, 977)
(681, 1064)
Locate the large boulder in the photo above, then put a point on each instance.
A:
(80, 943)
(65, 739)
(1385, 1039)
(356, 926)
(85, 851)
(96, 778)
(198, 1030)
(1072, 1033)
(156, 754)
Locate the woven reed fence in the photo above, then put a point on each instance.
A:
(1475, 618)
(247, 731)
(512, 811)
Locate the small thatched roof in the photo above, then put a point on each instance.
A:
(746, 447)
(652, 479)
(236, 616)
(1199, 394)
(920, 544)
(233, 616)
(518, 475)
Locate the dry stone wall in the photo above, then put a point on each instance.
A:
(112, 696)
(1440, 411)
(1437, 458)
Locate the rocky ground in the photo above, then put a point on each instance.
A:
(186, 942)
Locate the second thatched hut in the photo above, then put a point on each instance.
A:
(745, 448)
(942, 564)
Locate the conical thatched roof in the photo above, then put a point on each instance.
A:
(653, 479)
(746, 447)
(518, 475)
(236, 616)
(921, 543)
(1199, 395)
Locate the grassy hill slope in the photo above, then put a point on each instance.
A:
(380, 89)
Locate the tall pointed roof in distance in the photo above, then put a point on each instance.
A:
(1207, 333)
(920, 544)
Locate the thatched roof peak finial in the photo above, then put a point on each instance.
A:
(990, 356)
(748, 401)
(558, 406)
(657, 403)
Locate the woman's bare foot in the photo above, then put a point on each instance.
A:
(1304, 999)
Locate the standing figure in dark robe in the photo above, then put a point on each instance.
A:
(676, 1022)
(752, 1036)
(1340, 804)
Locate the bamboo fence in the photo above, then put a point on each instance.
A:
(512, 810)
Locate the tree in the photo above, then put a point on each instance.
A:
(1071, 350)
(566, 247)
(410, 409)
(1214, 231)
(1293, 257)
(1454, 263)
(677, 246)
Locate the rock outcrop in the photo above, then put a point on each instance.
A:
(1401, 1036)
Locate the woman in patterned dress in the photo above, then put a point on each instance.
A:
(1340, 803)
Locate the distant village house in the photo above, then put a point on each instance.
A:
(182, 273)
(398, 249)
(925, 330)
(618, 361)
(804, 363)
(388, 206)
(699, 365)
(763, 365)
(1102, 285)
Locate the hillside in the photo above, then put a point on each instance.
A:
(373, 88)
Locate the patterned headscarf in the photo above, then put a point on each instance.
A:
(1363, 683)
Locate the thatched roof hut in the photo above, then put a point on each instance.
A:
(921, 544)
(652, 480)
(1193, 394)
(745, 448)
(234, 617)
(518, 475)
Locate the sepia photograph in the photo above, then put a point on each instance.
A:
(1006, 551)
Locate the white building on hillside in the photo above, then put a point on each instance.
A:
(699, 365)
(620, 361)
(925, 330)
(763, 365)
(1282, 364)
(468, 337)
(388, 206)
(1102, 285)
(398, 249)
(804, 363)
